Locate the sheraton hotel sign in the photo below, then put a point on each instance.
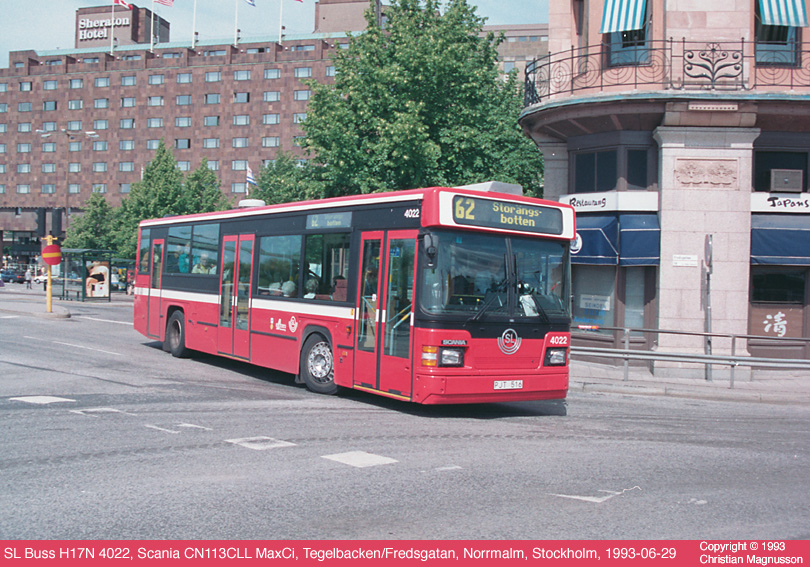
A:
(98, 29)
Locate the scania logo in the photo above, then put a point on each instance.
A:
(509, 342)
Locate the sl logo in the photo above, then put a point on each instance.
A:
(509, 342)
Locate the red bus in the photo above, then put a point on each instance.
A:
(435, 296)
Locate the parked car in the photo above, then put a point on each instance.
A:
(40, 278)
(13, 276)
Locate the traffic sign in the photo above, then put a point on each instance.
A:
(52, 254)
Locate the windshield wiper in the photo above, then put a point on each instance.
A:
(487, 304)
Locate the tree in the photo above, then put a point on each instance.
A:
(159, 193)
(94, 228)
(284, 180)
(202, 192)
(419, 103)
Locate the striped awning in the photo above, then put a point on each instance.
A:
(783, 13)
(626, 15)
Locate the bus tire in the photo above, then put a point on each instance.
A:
(175, 341)
(317, 365)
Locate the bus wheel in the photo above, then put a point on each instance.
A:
(317, 365)
(176, 335)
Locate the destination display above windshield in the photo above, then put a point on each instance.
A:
(506, 215)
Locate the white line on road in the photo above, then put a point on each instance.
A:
(360, 459)
(41, 399)
(105, 320)
(260, 443)
(73, 345)
(161, 429)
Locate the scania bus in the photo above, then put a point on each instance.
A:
(434, 296)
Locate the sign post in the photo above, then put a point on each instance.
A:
(52, 256)
(707, 259)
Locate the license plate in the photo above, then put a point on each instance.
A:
(508, 384)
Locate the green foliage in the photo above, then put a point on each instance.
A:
(201, 191)
(419, 103)
(94, 228)
(284, 181)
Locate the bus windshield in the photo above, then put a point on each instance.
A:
(483, 276)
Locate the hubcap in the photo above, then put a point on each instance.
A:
(319, 362)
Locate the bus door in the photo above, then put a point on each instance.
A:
(233, 336)
(385, 302)
(153, 313)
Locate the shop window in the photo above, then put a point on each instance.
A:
(594, 295)
(765, 161)
(595, 171)
(778, 298)
(637, 169)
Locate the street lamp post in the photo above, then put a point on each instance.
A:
(70, 135)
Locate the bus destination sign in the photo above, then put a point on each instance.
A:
(507, 215)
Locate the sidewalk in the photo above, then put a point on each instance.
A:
(787, 387)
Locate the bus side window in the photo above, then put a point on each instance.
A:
(279, 258)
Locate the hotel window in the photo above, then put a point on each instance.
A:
(49, 147)
(210, 143)
(2, 168)
(626, 25)
(241, 120)
(270, 142)
(24, 127)
(75, 147)
(182, 143)
(24, 107)
(213, 77)
(49, 188)
(154, 101)
(154, 123)
(48, 168)
(239, 165)
(99, 146)
(100, 188)
(240, 143)
(330, 71)
(213, 53)
(76, 83)
(241, 97)
(3, 87)
(100, 167)
(3, 107)
(124, 187)
(272, 96)
(101, 103)
(129, 81)
(238, 187)
(25, 86)
(75, 167)
(171, 55)
(131, 58)
(211, 121)
(2, 148)
(126, 166)
(272, 73)
(24, 148)
(152, 144)
(299, 117)
(183, 78)
(213, 165)
(49, 105)
(184, 165)
(100, 124)
(23, 189)
(212, 98)
(156, 79)
(2, 189)
(127, 123)
(128, 102)
(182, 121)
(126, 145)
(3, 128)
(90, 60)
(23, 168)
(74, 188)
(241, 75)
(303, 48)
(777, 32)
(303, 72)
(269, 119)
(302, 95)
(183, 100)
(102, 82)
(75, 104)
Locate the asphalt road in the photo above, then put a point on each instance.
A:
(105, 436)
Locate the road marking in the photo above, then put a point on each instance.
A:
(104, 320)
(10, 317)
(73, 345)
(41, 399)
(449, 468)
(360, 459)
(260, 443)
(93, 411)
(597, 499)
(192, 426)
(161, 429)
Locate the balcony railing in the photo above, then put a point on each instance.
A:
(669, 65)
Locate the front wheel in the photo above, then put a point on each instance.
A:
(317, 365)
(175, 341)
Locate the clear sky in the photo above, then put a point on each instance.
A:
(49, 24)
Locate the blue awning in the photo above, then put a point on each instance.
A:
(783, 13)
(625, 15)
(639, 240)
(600, 240)
(780, 240)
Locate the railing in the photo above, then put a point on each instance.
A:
(708, 360)
(669, 65)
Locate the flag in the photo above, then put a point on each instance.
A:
(302, 1)
(122, 3)
(168, 3)
(251, 2)
(250, 179)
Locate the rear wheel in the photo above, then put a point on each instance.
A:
(175, 341)
(317, 365)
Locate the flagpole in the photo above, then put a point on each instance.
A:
(112, 29)
(194, 25)
(152, 29)
(235, 22)
(280, 14)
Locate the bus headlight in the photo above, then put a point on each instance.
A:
(451, 357)
(556, 357)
